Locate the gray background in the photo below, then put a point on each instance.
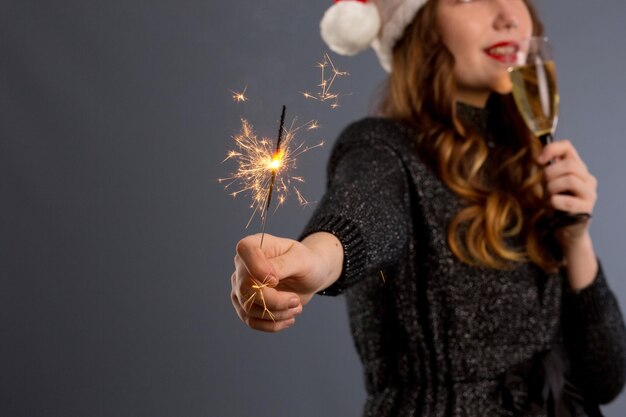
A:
(116, 241)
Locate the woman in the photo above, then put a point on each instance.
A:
(463, 301)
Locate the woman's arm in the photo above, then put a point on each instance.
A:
(593, 326)
(581, 263)
(329, 248)
(366, 204)
(594, 331)
(362, 222)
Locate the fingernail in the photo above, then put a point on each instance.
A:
(294, 302)
(272, 281)
(296, 310)
(291, 322)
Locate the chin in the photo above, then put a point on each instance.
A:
(504, 86)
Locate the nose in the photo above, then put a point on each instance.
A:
(506, 16)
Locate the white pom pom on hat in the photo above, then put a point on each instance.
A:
(350, 26)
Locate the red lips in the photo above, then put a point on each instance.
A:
(505, 52)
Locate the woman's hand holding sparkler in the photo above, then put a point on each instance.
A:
(272, 283)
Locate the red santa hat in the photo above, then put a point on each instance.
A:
(350, 26)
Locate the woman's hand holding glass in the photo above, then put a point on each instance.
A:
(570, 187)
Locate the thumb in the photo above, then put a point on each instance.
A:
(270, 263)
(285, 266)
(298, 271)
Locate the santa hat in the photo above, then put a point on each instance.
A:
(350, 26)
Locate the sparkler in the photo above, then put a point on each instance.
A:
(275, 165)
(265, 171)
(326, 83)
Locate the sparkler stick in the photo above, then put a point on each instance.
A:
(276, 158)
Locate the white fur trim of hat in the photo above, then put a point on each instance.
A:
(350, 26)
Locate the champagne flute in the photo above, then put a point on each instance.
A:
(537, 99)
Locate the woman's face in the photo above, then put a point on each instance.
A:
(484, 37)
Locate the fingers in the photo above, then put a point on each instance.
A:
(573, 184)
(268, 298)
(259, 301)
(259, 319)
(264, 308)
(278, 258)
(570, 204)
(251, 291)
(263, 311)
(262, 324)
(568, 175)
(568, 166)
(562, 149)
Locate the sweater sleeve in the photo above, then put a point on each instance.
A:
(366, 201)
(595, 337)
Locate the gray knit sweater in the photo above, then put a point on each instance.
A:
(438, 337)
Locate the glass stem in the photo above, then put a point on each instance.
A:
(546, 138)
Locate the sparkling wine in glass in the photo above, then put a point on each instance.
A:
(537, 99)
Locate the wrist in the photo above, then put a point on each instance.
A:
(581, 263)
(574, 247)
(328, 251)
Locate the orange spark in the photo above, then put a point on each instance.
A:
(259, 287)
(240, 97)
(326, 82)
